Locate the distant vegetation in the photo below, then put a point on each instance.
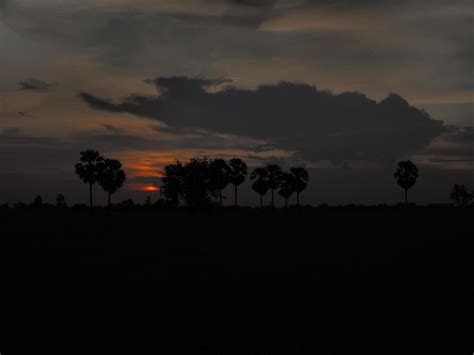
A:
(461, 196)
(200, 182)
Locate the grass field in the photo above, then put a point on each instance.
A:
(334, 282)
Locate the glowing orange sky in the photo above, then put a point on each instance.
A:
(149, 164)
(146, 187)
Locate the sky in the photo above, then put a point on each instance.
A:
(344, 88)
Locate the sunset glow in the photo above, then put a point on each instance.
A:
(143, 187)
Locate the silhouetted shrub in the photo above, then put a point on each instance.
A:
(19, 205)
(38, 201)
(460, 195)
(61, 201)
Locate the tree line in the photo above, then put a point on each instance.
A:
(200, 182)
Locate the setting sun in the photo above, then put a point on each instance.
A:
(143, 187)
(151, 188)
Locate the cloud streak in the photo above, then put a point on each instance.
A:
(33, 84)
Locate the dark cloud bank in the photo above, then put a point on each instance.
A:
(317, 124)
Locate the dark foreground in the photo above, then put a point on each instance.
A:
(342, 283)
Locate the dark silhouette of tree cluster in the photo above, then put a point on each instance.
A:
(272, 177)
(38, 201)
(461, 196)
(61, 201)
(201, 181)
(94, 168)
(220, 175)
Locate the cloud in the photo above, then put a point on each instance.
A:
(35, 85)
(318, 124)
(456, 145)
(426, 59)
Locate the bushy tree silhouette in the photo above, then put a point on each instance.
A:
(38, 201)
(260, 185)
(192, 182)
(406, 176)
(197, 186)
(237, 173)
(460, 195)
(110, 176)
(287, 186)
(220, 171)
(61, 201)
(172, 183)
(300, 181)
(274, 179)
(88, 171)
(128, 203)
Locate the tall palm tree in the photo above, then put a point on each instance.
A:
(300, 180)
(219, 170)
(406, 176)
(274, 178)
(260, 186)
(111, 177)
(87, 169)
(286, 187)
(237, 174)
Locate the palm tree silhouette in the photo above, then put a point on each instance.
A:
(237, 174)
(219, 170)
(111, 177)
(87, 169)
(274, 178)
(406, 176)
(286, 187)
(260, 186)
(300, 181)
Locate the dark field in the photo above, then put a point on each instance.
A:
(340, 282)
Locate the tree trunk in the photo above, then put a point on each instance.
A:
(406, 197)
(235, 195)
(261, 201)
(90, 197)
(109, 199)
(286, 202)
(272, 199)
(297, 199)
(220, 197)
